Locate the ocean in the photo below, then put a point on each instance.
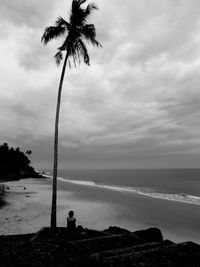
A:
(136, 199)
(172, 184)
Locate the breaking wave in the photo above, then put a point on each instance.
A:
(179, 197)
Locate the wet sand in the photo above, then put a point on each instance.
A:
(28, 210)
(178, 221)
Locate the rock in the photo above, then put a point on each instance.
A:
(107, 254)
(96, 248)
(150, 235)
(80, 229)
(116, 230)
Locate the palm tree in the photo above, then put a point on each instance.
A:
(75, 32)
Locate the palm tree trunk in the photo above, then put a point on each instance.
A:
(55, 166)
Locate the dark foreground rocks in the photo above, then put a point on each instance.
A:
(114, 247)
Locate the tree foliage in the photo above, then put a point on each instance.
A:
(12, 158)
(75, 32)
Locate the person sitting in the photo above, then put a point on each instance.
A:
(71, 221)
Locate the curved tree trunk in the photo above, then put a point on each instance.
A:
(55, 166)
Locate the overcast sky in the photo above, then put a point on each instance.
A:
(136, 106)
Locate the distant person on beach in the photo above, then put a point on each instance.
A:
(71, 221)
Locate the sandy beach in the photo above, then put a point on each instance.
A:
(26, 208)
(28, 203)
(29, 200)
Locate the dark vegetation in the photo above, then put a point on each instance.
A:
(113, 247)
(15, 164)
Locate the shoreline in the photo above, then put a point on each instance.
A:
(28, 210)
(178, 197)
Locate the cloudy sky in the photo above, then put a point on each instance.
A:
(136, 106)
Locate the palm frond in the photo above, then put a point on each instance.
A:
(73, 52)
(60, 22)
(70, 48)
(58, 57)
(69, 64)
(87, 11)
(95, 42)
(77, 3)
(89, 33)
(75, 56)
(82, 51)
(77, 17)
(66, 45)
(90, 8)
(52, 32)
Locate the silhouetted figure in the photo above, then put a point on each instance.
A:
(71, 221)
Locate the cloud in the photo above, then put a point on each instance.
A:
(139, 98)
(25, 13)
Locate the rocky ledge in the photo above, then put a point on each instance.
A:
(113, 247)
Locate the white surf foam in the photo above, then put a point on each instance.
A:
(179, 197)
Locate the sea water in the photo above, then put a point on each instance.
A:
(181, 185)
